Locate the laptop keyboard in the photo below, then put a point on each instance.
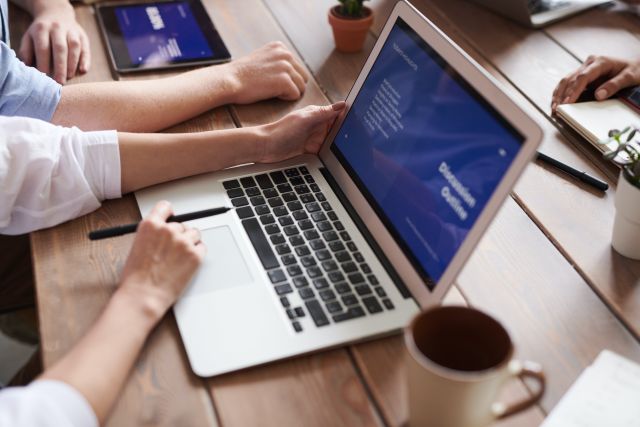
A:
(304, 248)
(539, 6)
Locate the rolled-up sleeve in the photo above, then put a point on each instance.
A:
(50, 174)
(45, 403)
(25, 91)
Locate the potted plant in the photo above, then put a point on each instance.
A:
(350, 21)
(626, 226)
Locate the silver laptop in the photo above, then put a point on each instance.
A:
(537, 13)
(350, 244)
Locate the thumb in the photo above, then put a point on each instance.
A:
(620, 81)
(320, 114)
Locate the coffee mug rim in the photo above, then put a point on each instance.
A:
(444, 371)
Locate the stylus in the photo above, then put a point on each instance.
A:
(131, 228)
(582, 176)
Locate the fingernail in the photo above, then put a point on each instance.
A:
(566, 100)
(601, 94)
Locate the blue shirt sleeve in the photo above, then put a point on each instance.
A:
(25, 91)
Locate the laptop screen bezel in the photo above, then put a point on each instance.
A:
(486, 87)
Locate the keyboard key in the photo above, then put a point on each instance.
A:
(291, 230)
(244, 212)
(283, 289)
(328, 294)
(356, 278)
(294, 206)
(314, 272)
(306, 293)
(280, 211)
(240, 201)
(235, 192)
(291, 172)
(323, 255)
(336, 276)
(297, 181)
(299, 311)
(291, 314)
(300, 215)
(297, 326)
(228, 185)
(272, 229)
(264, 181)
(324, 226)
(317, 313)
(358, 256)
(352, 313)
(303, 250)
(277, 239)
(270, 192)
(301, 189)
(321, 283)
(285, 220)
(387, 303)
(365, 268)
(373, 280)
(318, 244)
(326, 206)
(343, 256)
(343, 234)
(258, 200)
(332, 216)
(262, 210)
(343, 288)
(284, 188)
(333, 307)
(303, 170)
(252, 191)
(338, 225)
(300, 282)
(349, 267)
(267, 219)
(305, 198)
(285, 302)
(320, 197)
(372, 305)
(314, 188)
(248, 181)
(309, 179)
(352, 246)
(308, 261)
(318, 216)
(312, 207)
(260, 243)
(288, 259)
(289, 197)
(296, 240)
(306, 224)
(363, 290)
(294, 270)
(275, 201)
(278, 177)
(311, 235)
(381, 293)
(349, 299)
(336, 246)
(329, 265)
(283, 249)
(276, 276)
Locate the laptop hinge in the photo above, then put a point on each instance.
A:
(402, 288)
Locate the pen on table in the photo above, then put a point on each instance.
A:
(131, 228)
(582, 176)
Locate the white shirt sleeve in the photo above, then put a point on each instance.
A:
(45, 403)
(50, 174)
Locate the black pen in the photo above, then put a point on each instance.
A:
(131, 228)
(582, 176)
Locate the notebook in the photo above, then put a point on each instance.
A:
(606, 394)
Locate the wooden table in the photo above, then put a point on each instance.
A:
(545, 267)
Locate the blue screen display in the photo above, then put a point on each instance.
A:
(159, 33)
(425, 148)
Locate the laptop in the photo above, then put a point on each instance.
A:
(538, 13)
(347, 245)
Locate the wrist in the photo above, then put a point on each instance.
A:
(230, 83)
(262, 136)
(41, 7)
(147, 307)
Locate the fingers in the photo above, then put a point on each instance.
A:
(60, 51)
(42, 47)
(161, 211)
(624, 79)
(26, 49)
(85, 55)
(74, 47)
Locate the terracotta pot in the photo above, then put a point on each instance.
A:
(350, 33)
(626, 226)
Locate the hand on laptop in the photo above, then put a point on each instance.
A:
(302, 131)
(163, 259)
(616, 74)
(55, 43)
(269, 72)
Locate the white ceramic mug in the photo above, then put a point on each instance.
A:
(458, 361)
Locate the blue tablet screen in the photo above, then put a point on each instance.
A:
(159, 33)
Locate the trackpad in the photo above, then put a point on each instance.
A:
(223, 267)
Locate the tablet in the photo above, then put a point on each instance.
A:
(158, 35)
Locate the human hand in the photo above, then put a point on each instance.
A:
(299, 132)
(162, 261)
(618, 74)
(55, 36)
(269, 72)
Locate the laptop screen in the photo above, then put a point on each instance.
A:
(425, 149)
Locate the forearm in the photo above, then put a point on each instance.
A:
(148, 159)
(36, 7)
(91, 367)
(147, 105)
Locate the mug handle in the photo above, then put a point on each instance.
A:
(521, 370)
